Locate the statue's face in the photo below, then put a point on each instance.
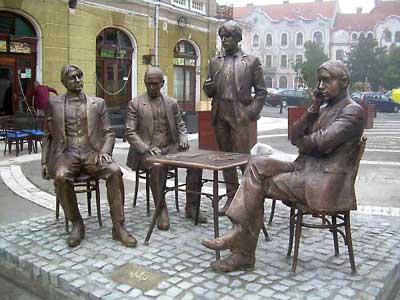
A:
(228, 41)
(153, 83)
(73, 82)
(329, 86)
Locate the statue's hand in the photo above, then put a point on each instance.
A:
(183, 144)
(45, 172)
(154, 151)
(103, 156)
(315, 100)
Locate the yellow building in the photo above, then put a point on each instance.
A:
(113, 43)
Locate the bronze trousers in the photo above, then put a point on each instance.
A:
(264, 177)
(70, 164)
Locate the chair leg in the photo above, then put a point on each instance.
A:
(57, 209)
(335, 236)
(291, 231)
(98, 202)
(176, 189)
(299, 221)
(349, 241)
(66, 225)
(266, 235)
(271, 215)
(148, 192)
(136, 188)
(89, 197)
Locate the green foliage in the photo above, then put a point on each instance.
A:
(367, 62)
(314, 57)
(391, 77)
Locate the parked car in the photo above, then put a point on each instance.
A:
(356, 95)
(288, 97)
(382, 103)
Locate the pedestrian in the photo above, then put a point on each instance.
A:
(40, 97)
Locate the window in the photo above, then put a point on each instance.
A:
(283, 61)
(362, 35)
(268, 81)
(113, 67)
(397, 37)
(184, 88)
(268, 61)
(198, 6)
(387, 35)
(181, 3)
(340, 54)
(370, 35)
(284, 39)
(354, 37)
(268, 40)
(256, 41)
(282, 82)
(299, 39)
(317, 38)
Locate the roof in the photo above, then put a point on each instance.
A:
(291, 11)
(367, 21)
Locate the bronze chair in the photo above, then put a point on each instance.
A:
(84, 183)
(296, 222)
(144, 174)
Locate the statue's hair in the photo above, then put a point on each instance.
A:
(336, 68)
(153, 71)
(232, 28)
(69, 68)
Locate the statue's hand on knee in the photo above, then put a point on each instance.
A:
(45, 172)
(103, 156)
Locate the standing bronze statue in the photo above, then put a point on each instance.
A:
(327, 138)
(154, 126)
(78, 137)
(230, 80)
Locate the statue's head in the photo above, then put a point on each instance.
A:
(231, 34)
(333, 80)
(154, 81)
(72, 78)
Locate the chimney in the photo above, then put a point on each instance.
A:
(249, 4)
(285, 1)
(359, 10)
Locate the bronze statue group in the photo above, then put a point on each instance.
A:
(78, 137)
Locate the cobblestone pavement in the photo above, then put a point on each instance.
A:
(37, 248)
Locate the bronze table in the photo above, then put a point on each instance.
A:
(200, 159)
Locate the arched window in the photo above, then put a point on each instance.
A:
(299, 39)
(397, 37)
(354, 37)
(18, 46)
(362, 35)
(268, 81)
(256, 41)
(282, 82)
(387, 35)
(283, 61)
(114, 67)
(340, 54)
(370, 35)
(268, 40)
(318, 39)
(185, 75)
(284, 39)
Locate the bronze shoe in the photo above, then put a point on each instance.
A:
(119, 233)
(191, 213)
(220, 243)
(235, 261)
(76, 235)
(163, 220)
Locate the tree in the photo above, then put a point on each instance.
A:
(391, 77)
(314, 57)
(367, 62)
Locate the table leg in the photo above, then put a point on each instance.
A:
(215, 210)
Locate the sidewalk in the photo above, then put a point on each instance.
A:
(174, 265)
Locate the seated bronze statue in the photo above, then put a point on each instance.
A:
(78, 137)
(327, 136)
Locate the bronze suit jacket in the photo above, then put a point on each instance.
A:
(248, 73)
(101, 135)
(328, 149)
(139, 126)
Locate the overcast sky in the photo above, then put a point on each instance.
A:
(346, 6)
